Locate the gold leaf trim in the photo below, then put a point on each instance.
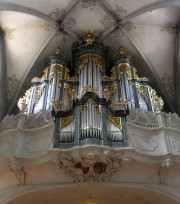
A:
(115, 120)
(84, 59)
(112, 77)
(124, 67)
(142, 91)
(66, 121)
(137, 77)
(67, 76)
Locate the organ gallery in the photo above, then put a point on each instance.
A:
(90, 99)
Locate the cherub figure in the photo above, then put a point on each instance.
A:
(107, 94)
(73, 94)
(56, 105)
(122, 104)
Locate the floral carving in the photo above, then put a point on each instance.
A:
(118, 14)
(58, 15)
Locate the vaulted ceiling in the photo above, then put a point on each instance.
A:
(148, 29)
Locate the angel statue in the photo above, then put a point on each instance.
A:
(122, 103)
(56, 105)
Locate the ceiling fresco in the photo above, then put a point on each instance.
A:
(33, 29)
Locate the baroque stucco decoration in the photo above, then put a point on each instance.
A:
(58, 14)
(118, 14)
(92, 166)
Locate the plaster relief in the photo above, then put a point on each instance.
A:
(90, 167)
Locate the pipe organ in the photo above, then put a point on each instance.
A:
(91, 106)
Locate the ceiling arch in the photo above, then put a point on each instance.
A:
(123, 193)
(71, 12)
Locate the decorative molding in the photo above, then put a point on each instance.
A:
(58, 15)
(164, 170)
(9, 33)
(170, 28)
(19, 173)
(118, 13)
(90, 167)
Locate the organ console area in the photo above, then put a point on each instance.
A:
(90, 99)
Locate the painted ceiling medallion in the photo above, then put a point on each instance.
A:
(91, 166)
(118, 14)
(88, 3)
(57, 15)
(170, 28)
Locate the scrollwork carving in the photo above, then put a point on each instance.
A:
(92, 167)
(84, 59)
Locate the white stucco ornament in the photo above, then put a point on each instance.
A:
(90, 167)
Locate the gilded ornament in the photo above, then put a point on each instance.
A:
(124, 68)
(142, 90)
(110, 78)
(56, 68)
(57, 104)
(89, 37)
(58, 51)
(38, 93)
(115, 120)
(66, 121)
(120, 51)
(137, 77)
(84, 59)
(90, 88)
(122, 104)
(109, 92)
(90, 100)
(72, 94)
(157, 101)
(68, 77)
(23, 102)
